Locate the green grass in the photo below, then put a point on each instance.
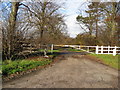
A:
(22, 65)
(0, 71)
(108, 59)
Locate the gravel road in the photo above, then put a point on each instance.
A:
(74, 71)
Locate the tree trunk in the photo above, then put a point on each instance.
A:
(11, 30)
(41, 37)
(90, 32)
(118, 33)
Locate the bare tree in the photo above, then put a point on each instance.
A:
(26, 22)
(45, 17)
(12, 31)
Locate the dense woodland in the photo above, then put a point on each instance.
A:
(41, 23)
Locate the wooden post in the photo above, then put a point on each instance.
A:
(114, 51)
(101, 49)
(97, 49)
(88, 49)
(30, 48)
(52, 47)
(108, 49)
(79, 47)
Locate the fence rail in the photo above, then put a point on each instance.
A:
(104, 49)
(96, 49)
(90, 49)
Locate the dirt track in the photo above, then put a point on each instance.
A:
(75, 71)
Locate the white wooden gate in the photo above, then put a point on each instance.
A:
(107, 50)
(96, 49)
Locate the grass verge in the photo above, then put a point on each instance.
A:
(110, 60)
(11, 67)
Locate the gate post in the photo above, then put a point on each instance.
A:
(52, 48)
(79, 48)
(114, 51)
(97, 49)
(88, 49)
(108, 49)
(101, 49)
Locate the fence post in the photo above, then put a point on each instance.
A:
(101, 49)
(52, 48)
(114, 51)
(97, 49)
(88, 49)
(79, 47)
(108, 49)
(30, 48)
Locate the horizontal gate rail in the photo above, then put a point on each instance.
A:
(96, 49)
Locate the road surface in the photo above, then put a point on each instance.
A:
(74, 71)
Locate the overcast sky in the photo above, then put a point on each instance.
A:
(71, 10)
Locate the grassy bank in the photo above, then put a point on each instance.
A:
(0, 71)
(11, 67)
(108, 59)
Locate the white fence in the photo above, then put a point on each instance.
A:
(96, 49)
(107, 50)
(102, 49)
